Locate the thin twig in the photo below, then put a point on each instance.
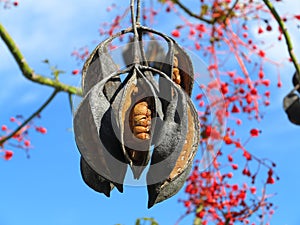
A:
(28, 71)
(189, 12)
(30, 118)
(231, 9)
(286, 35)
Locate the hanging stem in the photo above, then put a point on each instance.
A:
(134, 21)
(138, 13)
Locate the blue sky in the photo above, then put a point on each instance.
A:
(47, 188)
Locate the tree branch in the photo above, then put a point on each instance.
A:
(30, 118)
(285, 34)
(189, 12)
(28, 71)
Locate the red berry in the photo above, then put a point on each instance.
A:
(4, 127)
(201, 28)
(246, 172)
(192, 32)
(200, 214)
(8, 155)
(27, 143)
(279, 84)
(43, 130)
(229, 157)
(201, 103)
(245, 35)
(266, 103)
(175, 33)
(227, 140)
(254, 132)
(197, 46)
(75, 72)
(234, 166)
(224, 88)
(16, 3)
(269, 28)
(260, 30)
(187, 203)
(235, 187)
(261, 74)
(253, 190)
(266, 82)
(261, 53)
(235, 109)
(12, 119)
(270, 180)
(230, 175)
(247, 155)
(270, 172)
(238, 122)
(267, 94)
(199, 96)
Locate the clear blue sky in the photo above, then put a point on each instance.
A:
(47, 188)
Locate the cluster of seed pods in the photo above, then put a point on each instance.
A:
(119, 121)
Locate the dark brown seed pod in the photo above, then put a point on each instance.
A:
(174, 182)
(98, 174)
(136, 107)
(117, 122)
(94, 180)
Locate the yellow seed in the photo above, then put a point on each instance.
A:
(176, 76)
(143, 122)
(137, 118)
(143, 136)
(140, 129)
(140, 109)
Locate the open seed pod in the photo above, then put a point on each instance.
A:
(136, 112)
(119, 120)
(98, 66)
(173, 154)
(291, 105)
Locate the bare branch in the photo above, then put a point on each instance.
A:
(28, 72)
(285, 34)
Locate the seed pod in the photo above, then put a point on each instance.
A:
(94, 180)
(117, 122)
(175, 180)
(136, 105)
(87, 125)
